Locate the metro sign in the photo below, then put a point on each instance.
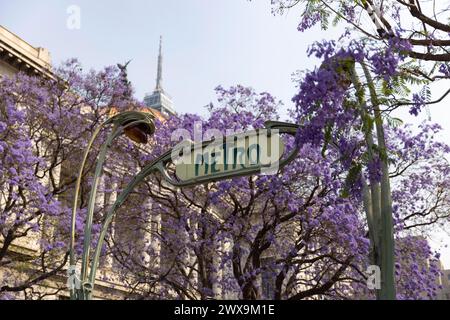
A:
(235, 155)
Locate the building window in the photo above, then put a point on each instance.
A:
(448, 276)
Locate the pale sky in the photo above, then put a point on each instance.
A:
(206, 43)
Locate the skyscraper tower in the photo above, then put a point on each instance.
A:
(159, 99)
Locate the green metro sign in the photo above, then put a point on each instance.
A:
(253, 152)
(230, 156)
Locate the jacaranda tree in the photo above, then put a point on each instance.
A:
(379, 70)
(44, 126)
(299, 234)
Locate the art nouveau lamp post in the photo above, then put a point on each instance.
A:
(137, 126)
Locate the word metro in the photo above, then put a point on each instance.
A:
(231, 156)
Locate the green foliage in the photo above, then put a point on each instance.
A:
(352, 176)
(328, 138)
(392, 121)
(397, 86)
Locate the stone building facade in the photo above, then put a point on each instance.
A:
(16, 55)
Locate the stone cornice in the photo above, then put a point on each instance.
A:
(22, 56)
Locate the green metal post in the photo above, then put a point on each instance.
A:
(74, 293)
(91, 205)
(387, 245)
(120, 122)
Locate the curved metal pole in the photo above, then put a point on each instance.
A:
(154, 166)
(91, 202)
(132, 118)
(75, 201)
